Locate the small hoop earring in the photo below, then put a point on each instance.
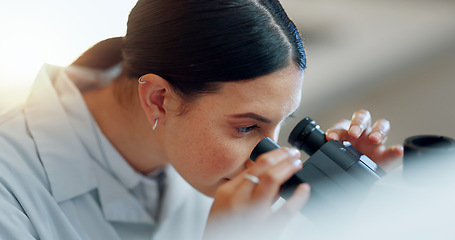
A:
(156, 124)
(140, 80)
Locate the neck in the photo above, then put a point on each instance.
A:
(126, 127)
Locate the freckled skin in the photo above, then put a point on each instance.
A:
(204, 145)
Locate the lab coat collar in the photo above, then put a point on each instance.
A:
(48, 124)
(117, 203)
(71, 175)
(176, 191)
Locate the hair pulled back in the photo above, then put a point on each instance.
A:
(196, 44)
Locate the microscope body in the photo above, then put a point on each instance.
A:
(338, 174)
(339, 177)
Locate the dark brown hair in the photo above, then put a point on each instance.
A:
(196, 44)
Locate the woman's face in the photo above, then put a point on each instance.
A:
(211, 142)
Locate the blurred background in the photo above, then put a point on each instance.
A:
(394, 58)
(51, 31)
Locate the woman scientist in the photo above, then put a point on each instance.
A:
(116, 145)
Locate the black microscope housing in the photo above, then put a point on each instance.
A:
(338, 174)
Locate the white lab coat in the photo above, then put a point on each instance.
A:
(51, 187)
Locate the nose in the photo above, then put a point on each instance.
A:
(275, 133)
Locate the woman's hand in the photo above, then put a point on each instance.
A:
(242, 206)
(368, 139)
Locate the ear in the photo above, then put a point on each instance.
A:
(157, 98)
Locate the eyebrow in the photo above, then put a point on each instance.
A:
(252, 116)
(292, 115)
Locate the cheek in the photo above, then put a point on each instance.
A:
(215, 161)
(204, 155)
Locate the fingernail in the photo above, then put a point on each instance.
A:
(399, 149)
(377, 137)
(355, 131)
(297, 162)
(333, 136)
(306, 187)
(293, 152)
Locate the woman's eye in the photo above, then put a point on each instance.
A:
(247, 129)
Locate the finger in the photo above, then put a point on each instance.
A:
(243, 186)
(241, 192)
(293, 204)
(391, 153)
(298, 199)
(269, 159)
(263, 162)
(361, 120)
(272, 179)
(380, 131)
(338, 131)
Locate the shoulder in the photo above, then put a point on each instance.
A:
(8, 112)
(19, 160)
